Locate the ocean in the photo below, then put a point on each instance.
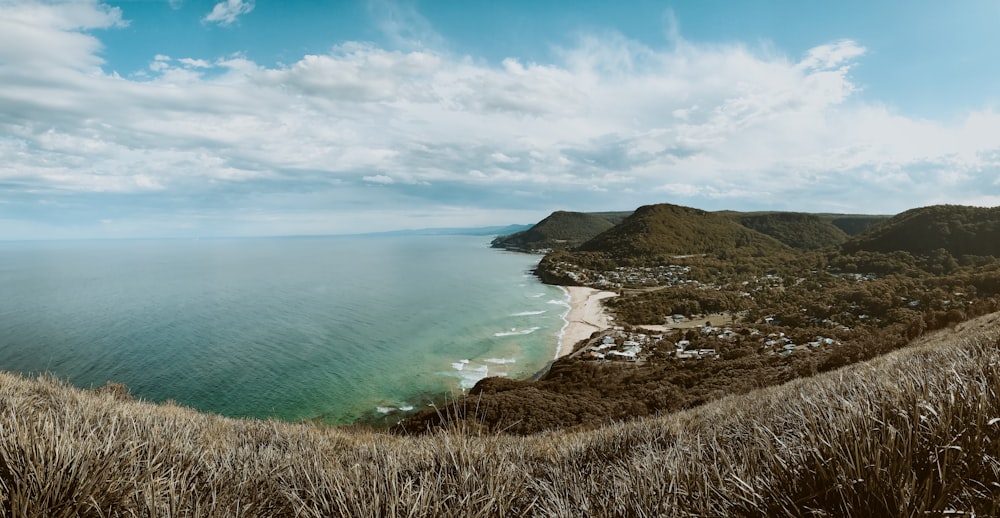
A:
(330, 329)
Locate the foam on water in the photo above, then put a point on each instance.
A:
(565, 317)
(471, 376)
(514, 332)
(528, 313)
(402, 407)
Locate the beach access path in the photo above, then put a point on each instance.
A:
(586, 315)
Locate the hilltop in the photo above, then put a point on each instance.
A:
(911, 433)
(678, 230)
(654, 231)
(560, 230)
(957, 230)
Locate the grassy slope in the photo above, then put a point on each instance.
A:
(914, 431)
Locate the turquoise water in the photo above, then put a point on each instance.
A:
(333, 329)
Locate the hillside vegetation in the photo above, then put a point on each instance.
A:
(795, 229)
(560, 230)
(957, 230)
(913, 433)
(657, 231)
(853, 224)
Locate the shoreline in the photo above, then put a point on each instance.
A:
(586, 315)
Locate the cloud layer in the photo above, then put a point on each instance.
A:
(364, 137)
(225, 13)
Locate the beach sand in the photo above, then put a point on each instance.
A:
(586, 315)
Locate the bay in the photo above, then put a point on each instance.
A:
(333, 329)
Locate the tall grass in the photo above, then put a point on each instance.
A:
(914, 433)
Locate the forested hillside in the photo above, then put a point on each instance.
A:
(797, 230)
(560, 230)
(660, 231)
(957, 230)
(853, 224)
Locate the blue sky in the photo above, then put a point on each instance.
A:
(189, 118)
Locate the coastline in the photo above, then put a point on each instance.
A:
(585, 315)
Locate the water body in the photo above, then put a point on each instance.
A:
(331, 329)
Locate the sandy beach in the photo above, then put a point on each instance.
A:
(586, 315)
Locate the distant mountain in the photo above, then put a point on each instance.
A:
(959, 230)
(665, 229)
(560, 230)
(795, 229)
(472, 231)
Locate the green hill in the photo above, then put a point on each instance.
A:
(795, 229)
(665, 229)
(959, 230)
(560, 230)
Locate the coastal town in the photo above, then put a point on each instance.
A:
(813, 324)
(702, 342)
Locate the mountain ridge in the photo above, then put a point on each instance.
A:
(559, 230)
(959, 230)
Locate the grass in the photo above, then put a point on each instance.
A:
(913, 433)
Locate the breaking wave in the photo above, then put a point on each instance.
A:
(515, 332)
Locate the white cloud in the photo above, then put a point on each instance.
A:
(610, 124)
(832, 55)
(37, 37)
(226, 12)
(195, 63)
(379, 179)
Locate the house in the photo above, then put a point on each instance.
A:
(629, 354)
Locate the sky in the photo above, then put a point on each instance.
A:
(187, 118)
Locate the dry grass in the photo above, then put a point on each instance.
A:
(914, 433)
